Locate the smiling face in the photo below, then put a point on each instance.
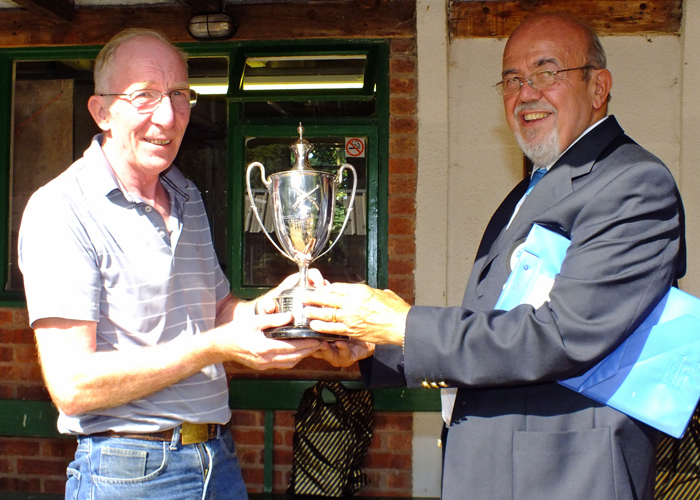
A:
(545, 122)
(142, 145)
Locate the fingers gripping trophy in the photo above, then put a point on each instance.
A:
(303, 203)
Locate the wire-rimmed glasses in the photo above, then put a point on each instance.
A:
(537, 80)
(148, 100)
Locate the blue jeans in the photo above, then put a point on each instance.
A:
(136, 469)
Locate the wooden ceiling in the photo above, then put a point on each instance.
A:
(63, 11)
(60, 22)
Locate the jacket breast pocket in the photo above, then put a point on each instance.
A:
(563, 465)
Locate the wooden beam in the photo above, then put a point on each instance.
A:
(56, 11)
(497, 19)
(205, 6)
(279, 21)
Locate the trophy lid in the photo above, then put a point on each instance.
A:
(301, 149)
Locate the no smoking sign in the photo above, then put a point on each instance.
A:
(355, 147)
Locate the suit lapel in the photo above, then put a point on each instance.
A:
(557, 184)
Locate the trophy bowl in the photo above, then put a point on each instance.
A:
(303, 204)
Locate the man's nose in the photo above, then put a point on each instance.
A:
(528, 92)
(164, 114)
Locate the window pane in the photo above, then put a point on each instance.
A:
(203, 153)
(51, 129)
(263, 263)
(308, 109)
(309, 72)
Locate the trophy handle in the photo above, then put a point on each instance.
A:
(267, 183)
(338, 180)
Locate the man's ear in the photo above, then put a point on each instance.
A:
(100, 111)
(602, 83)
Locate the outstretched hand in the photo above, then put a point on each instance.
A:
(344, 353)
(245, 343)
(267, 305)
(357, 310)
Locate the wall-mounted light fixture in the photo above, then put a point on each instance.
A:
(212, 26)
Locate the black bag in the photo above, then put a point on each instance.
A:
(678, 464)
(330, 441)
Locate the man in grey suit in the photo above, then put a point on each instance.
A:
(514, 432)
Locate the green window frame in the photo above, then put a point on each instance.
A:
(375, 128)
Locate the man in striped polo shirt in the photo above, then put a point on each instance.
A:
(132, 313)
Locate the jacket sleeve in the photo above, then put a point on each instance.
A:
(625, 245)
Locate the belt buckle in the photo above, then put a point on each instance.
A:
(194, 433)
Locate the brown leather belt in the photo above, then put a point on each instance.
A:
(189, 433)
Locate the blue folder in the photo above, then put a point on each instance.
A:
(654, 375)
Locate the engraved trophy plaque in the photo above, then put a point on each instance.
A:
(303, 203)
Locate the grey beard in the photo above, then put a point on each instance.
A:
(545, 152)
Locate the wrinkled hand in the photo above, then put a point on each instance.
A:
(344, 353)
(267, 304)
(245, 343)
(362, 312)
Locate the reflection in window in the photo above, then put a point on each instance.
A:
(51, 128)
(310, 72)
(263, 264)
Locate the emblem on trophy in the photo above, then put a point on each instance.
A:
(303, 203)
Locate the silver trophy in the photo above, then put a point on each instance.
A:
(303, 203)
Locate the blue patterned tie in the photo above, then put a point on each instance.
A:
(539, 173)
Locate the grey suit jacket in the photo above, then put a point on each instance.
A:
(515, 433)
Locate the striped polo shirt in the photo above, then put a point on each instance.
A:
(90, 251)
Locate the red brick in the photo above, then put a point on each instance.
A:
(242, 418)
(403, 45)
(248, 456)
(19, 447)
(54, 485)
(402, 185)
(284, 419)
(402, 65)
(21, 373)
(18, 484)
(402, 85)
(7, 354)
(7, 466)
(6, 317)
(401, 266)
(402, 285)
(26, 354)
(58, 448)
(403, 126)
(402, 166)
(21, 317)
(248, 436)
(399, 480)
(388, 460)
(401, 225)
(41, 467)
(397, 421)
(284, 456)
(17, 336)
(402, 206)
(399, 106)
(401, 245)
(405, 145)
(400, 442)
(35, 392)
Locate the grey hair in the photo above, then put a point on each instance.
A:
(103, 64)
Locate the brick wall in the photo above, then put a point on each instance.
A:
(39, 464)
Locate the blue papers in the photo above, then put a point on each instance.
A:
(654, 375)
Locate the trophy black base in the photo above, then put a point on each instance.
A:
(300, 332)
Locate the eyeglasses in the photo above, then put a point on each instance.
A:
(537, 80)
(148, 100)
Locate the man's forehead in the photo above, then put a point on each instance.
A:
(536, 48)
